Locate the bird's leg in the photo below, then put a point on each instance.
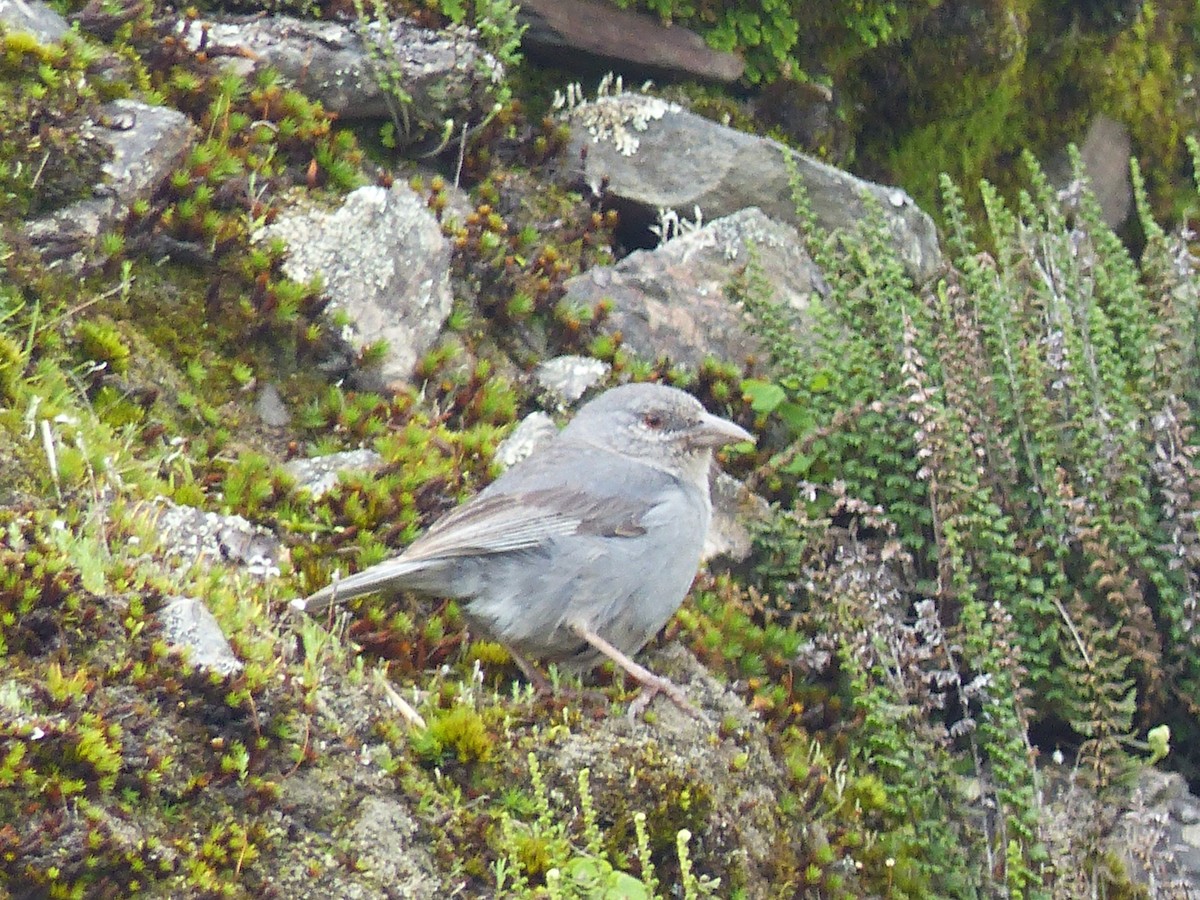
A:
(543, 685)
(531, 672)
(651, 684)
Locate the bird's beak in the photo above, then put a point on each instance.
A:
(713, 431)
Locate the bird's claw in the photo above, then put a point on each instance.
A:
(657, 685)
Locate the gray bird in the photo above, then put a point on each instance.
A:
(584, 549)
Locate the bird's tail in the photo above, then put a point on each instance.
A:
(386, 575)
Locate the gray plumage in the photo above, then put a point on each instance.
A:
(597, 535)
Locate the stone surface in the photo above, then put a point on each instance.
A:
(319, 474)
(148, 144)
(672, 301)
(633, 764)
(1147, 828)
(650, 156)
(190, 536)
(445, 73)
(594, 35)
(531, 432)
(348, 807)
(34, 17)
(271, 409)
(188, 625)
(383, 262)
(1161, 851)
(566, 378)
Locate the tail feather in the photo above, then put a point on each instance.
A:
(385, 575)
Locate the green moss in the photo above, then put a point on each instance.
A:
(459, 731)
(47, 94)
(102, 342)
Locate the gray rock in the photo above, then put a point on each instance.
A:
(393, 850)
(270, 407)
(148, 144)
(1146, 828)
(384, 262)
(638, 766)
(192, 536)
(188, 625)
(445, 73)
(346, 806)
(319, 474)
(656, 155)
(531, 432)
(1160, 851)
(34, 17)
(566, 378)
(591, 33)
(671, 301)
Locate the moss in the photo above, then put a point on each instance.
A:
(47, 95)
(102, 342)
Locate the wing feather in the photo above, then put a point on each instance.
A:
(537, 501)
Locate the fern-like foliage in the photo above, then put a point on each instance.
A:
(1027, 426)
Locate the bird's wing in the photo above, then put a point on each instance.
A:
(560, 491)
(508, 521)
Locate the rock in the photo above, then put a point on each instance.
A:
(319, 474)
(1105, 154)
(671, 301)
(148, 144)
(384, 263)
(808, 114)
(192, 536)
(1150, 828)
(598, 36)
(729, 776)
(445, 73)
(734, 504)
(651, 155)
(531, 432)
(566, 378)
(271, 409)
(188, 625)
(104, 18)
(346, 806)
(1153, 835)
(392, 848)
(34, 17)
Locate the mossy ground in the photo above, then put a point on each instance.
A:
(124, 771)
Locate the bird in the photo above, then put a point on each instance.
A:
(583, 550)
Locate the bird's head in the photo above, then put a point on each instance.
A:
(655, 424)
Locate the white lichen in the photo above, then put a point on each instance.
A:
(671, 225)
(615, 114)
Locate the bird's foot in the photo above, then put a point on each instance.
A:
(545, 687)
(651, 684)
(668, 689)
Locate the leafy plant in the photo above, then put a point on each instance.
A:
(1025, 430)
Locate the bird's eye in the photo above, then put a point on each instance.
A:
(653, 420)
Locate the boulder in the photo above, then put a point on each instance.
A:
(445, 74)
(673, 301)
(384, 262)
(650, 155)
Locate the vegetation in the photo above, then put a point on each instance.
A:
(984, 542)
(1021, 430)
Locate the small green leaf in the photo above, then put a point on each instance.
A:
(796, 417)
(764, 396)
